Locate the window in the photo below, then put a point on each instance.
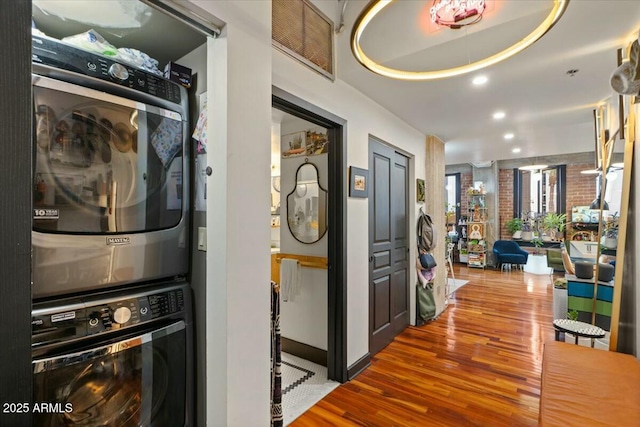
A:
(301, 31)
(539, 191)
(452, 194)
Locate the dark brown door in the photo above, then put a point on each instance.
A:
(388, 244)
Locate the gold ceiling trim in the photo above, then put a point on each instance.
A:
(376, 6)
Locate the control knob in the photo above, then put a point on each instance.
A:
(121, 315)
(118, 72)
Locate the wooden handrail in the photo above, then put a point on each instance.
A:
(306, 260)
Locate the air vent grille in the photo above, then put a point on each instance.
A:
(300, 30)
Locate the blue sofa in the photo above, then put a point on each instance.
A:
(508, 252)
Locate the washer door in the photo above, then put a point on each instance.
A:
(135, 382)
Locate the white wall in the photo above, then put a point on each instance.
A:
(238, 291)
(363, 117)
(239, 85)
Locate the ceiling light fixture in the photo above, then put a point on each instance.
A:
(516, 150)
(456, 14)
(480, 80)
(376, 6)
(590, 172)
(533, 167)
(508, 136)
(499, 115)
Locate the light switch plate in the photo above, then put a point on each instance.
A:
(202, 238)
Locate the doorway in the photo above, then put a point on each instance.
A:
(335, 126)
(388, 244)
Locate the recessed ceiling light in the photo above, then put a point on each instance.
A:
(499, 115)
(508, 136)
(480, 80)
(516, 150)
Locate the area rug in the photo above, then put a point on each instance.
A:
(304, 384)
(454, 285)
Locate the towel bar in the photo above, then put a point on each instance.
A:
(306, 260)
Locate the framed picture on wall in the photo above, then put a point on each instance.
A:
(317, 143)
(420, 190)
(358, 185)
(294, 144)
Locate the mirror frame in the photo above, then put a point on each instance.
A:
(623, 221)
(294, 192)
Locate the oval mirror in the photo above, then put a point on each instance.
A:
(307, 206)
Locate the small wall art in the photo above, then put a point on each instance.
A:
(358, 182)
(317, 143)
(420, 190)
(294, 144)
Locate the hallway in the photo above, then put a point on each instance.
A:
(478, 364)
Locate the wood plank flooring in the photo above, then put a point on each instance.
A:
(478, 364)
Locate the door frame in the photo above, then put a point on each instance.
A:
(337, 221)
(408, 209)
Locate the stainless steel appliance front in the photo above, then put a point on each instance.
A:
(110, 185)
(114, 360)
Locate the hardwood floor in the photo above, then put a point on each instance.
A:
(478, 364)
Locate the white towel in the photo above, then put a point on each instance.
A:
(289, 279)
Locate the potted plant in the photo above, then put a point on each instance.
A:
(514, 226)
(555, 224)
(611, 232)
(570, 338)
(537, 242)
(450, 213)
(527, 229)
(464, 252)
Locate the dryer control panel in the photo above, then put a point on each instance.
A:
(132, 311)
(69, 319)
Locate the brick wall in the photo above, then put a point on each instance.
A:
(505, 200)
(466, 181)
(581, 190)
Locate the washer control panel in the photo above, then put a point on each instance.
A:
(54, 53)
(76, 318)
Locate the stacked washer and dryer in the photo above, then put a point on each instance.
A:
(112, 323)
